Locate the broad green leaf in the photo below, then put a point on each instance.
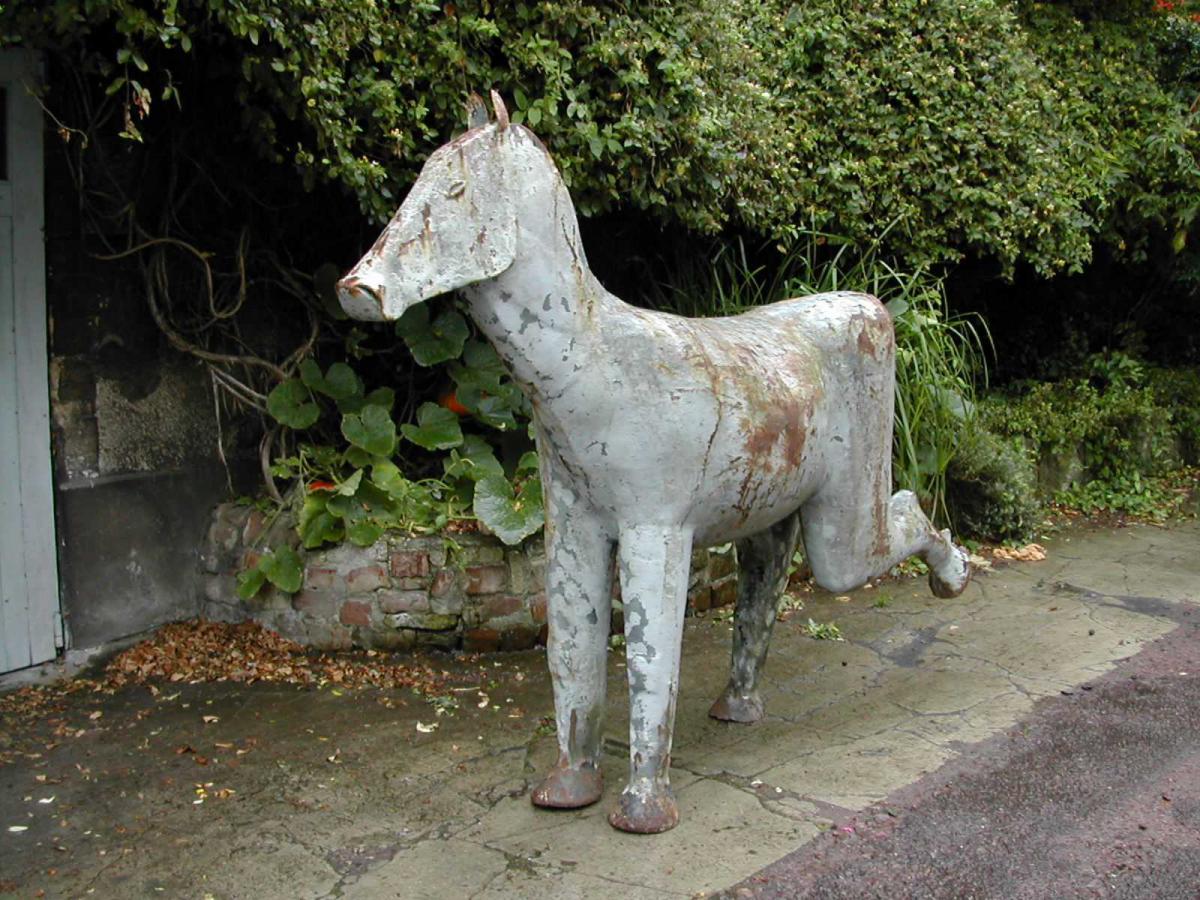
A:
(496, 411)
(250, 582)
(283, 569)
(291, 404)
(348, 487)
(511, 518)
(432, 342)
(372, 430)
(364, 532)
(474, 461)
(321, 527)
(341, 382)
(436, 428)
(528, 462)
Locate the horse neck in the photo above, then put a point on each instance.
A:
(538, 312)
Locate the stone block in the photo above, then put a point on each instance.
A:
(700, 600)
(481, 640)
(410, 584)
(409, 563)
(518, 637)
(537, 607)
(502, 605)
(317, 604)
(329, 636)
(526, 577)
(443, 582)
(482, 551)
(355, 612)
(724, 592)
(221, 589)
(403, 601)
(256, 522)
(322, 578)
(489, 579)
(366, 578)
(699, 558)
(721, 562)
(441, 640)
(421, 621)
(543, 635)
(390, 639)
(447, 605)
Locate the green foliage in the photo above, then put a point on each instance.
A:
(1009, 129)
(822, 631)
(281, 567)
(356, 491)
(1128, 431)
(991, 489)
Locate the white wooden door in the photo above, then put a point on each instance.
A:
(30, 630)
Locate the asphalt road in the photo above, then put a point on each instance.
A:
(1096, 793)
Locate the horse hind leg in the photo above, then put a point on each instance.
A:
(763, 561)
(848, 544)
(912, 534)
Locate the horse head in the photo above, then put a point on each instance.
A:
(457, 226)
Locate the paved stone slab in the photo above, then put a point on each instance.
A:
(339, 795)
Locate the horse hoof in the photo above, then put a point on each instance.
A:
(731, 707)
(569, 788)
(651, 810)
(951, 576)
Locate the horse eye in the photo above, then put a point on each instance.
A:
(456, 190)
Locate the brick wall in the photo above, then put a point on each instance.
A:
(461, 591)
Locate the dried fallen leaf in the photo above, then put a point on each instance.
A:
(1028, 553)
(17, 829)
(208, 720)
(426, 729)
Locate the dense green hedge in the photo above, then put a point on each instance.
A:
(1008, 129)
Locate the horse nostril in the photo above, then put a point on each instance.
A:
(349, 287)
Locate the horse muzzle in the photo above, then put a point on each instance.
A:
(361, 299)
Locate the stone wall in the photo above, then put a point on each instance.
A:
(458, 591)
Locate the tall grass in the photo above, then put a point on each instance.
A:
(940, 357)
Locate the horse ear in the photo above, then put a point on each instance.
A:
(501, 112)
(476, 111)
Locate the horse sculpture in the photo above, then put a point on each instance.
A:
(656, 434)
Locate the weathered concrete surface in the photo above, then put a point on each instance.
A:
(341, 796)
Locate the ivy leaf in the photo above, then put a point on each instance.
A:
(432, 342)
(511, 518)
(339, 383)
(364, 532)
(250, 582)
(291, 404)
(475, 461)
(316, 524)
(496, 411)
(528, 462)
(436, 428)
(481, 368)
(349, 486)
(371, 430)
(283, 569)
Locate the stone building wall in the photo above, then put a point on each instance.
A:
(460, 591)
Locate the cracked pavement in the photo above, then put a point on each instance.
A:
(334, 794)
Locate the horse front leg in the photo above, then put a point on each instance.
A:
(653, 564)
(579, 555)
